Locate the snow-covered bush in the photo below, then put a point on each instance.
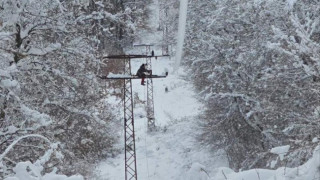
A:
(255, 63)
(32, 171)
(28, 171)
(309, 170)
(49, 61)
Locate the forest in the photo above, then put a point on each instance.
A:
(254, 66)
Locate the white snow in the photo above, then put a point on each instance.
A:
(73, 80)
(290, 3)
(42, 51)
(172, 152)
(281, 151)
(33, 171)
(4, 73)
(317, 112)
(28, 171)
(11, 130)
(84, 2)
(308, 171)
(181, 31)
(111, 75)
(8, 83)
(32, 115)
(197, 172)
(273, 163)
(315, 140)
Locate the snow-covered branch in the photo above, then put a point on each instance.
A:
(19, 139)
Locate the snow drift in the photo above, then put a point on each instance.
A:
(308, 171)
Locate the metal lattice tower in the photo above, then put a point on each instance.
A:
(129, 136)
(150, 102)
(130, 147)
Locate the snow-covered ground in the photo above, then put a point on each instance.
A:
(172, 152)
(169, 152)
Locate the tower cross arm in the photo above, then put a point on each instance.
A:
(130, 56)
(123, 76)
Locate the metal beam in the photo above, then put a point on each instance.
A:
(150, 102)
(131, 56)
(133, 77)
(129, 135)
(143, 45)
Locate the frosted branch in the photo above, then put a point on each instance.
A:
(20, 138)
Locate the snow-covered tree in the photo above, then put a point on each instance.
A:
(49, 62)
(255, 64)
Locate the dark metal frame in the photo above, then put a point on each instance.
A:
(130, 147)
(150, 102)
(130, 56)
(129, 135)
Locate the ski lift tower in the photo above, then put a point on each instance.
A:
(129, 136)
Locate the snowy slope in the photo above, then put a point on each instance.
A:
(308, 171)
(172, 152)
(169, 152)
